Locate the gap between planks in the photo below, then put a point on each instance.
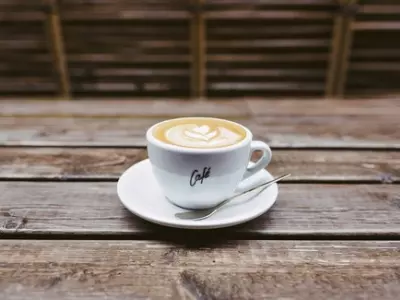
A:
(138, 146)
(89, 179)
(210, 237)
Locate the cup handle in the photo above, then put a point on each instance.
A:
(247, 182)
(262, 162)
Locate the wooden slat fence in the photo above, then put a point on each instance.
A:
(199, 48)
(268, 48)
(26, 65)
(374, 59)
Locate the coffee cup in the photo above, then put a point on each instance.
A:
(200, 161)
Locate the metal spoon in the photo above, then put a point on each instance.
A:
(197, 215)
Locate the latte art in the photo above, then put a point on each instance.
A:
(199, 132)
(195, 136)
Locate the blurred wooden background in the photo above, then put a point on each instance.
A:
(199, 48)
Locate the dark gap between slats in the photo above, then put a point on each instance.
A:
(184, 237)
(392, 148)
(304, 149)
(70, 179)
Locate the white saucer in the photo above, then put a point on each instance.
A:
(139, 193)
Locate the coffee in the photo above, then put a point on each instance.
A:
(199, 132)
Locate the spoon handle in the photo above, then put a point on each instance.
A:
(252, 189)
(203, 214)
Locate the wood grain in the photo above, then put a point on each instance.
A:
(93, 208)
(109, 164)
(267, 60)
(118, 107)
(249, 106)
(155, 31)
(256, 74)
(291, 131)
(280, 3)
(267, 14)
(376, 26)
(238, 270)
(376, 105)
(290, 43)
(247, 85)
(328, 131)
(121, 58)
(111, 13)
(270, 30)
(286, 123)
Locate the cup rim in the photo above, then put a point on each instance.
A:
(151, 139)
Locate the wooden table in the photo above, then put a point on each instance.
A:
(333, 233)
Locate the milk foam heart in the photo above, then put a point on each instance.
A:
(192, 135)
(201, 129)
(199, 133)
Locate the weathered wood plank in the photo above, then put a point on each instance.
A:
(376, 105)
(292, 131)
(376, 25)
(329, 131)
(239, 270)
(172, 107)
(153, 30)
(254, 4)
(164, 107)
(375, 66)
(26, 84)
(263, 74)
(126, 14)
(21, 16)
(224, 30)
(286, 123)
(264, 58)
(248, 85)
(95, 86)
(302, 209)
(74, 131)
(374, 9)
(374, 53)
(122, 58)
(102, 163)
(267, 14)
(262, 43)
(126, 73)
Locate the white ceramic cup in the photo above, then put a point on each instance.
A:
(198, 178)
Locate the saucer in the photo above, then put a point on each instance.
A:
(139, 192)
